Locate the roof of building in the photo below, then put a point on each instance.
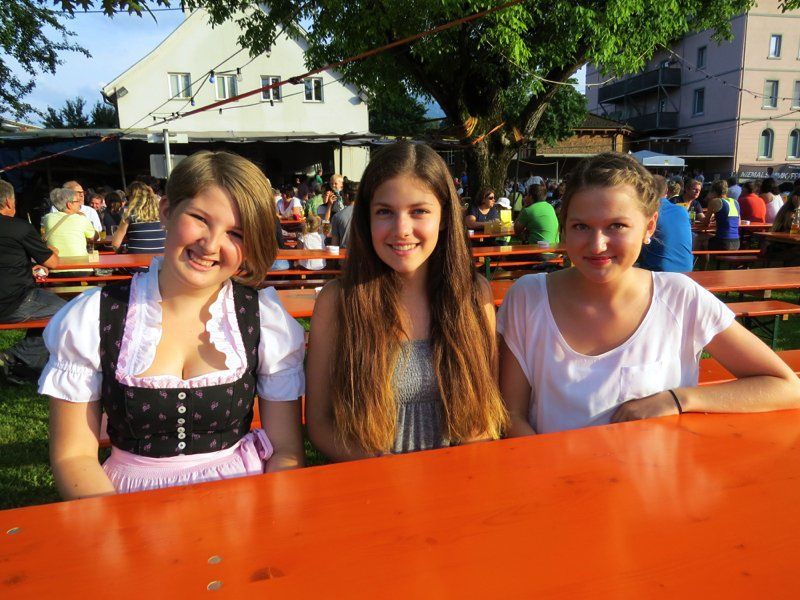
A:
(593, 121)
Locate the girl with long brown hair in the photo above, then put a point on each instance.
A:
(402, 352)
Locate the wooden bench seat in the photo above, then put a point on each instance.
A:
(69, 291)
(744, 252)
(753, 315)
(35, 324)
(304, 272)
(764, 308)
(296, 284)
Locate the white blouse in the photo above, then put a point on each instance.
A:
(73, 371)
(571, 390)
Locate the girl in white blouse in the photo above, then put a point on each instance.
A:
(176, 357)
(605, 342)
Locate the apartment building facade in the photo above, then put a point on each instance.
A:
(730, 107)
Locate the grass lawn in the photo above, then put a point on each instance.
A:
(25, 477)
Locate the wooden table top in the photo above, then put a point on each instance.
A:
(105, 261)
(750, 227)
(689, 506)
(746, 280)
(777, 236)
(298, 303)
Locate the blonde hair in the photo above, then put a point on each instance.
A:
(249, 189)
(611, 169)
(142, 204)
(312, 224)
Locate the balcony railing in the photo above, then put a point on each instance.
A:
(657, 121)
(641, 84)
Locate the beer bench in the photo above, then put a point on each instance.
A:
(303, 272)
(84, 279)
(753, 314)
(35, 324)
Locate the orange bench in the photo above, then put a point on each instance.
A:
(752, 312)
(35, 324)
(85, 278)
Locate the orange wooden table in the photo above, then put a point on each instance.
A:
(748, 280)
(298, 303)
(701, 506)
(776, 236)
(106, 261)
(304, 254)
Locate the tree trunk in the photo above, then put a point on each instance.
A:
(487, 166)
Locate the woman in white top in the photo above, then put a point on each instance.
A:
(768, 190)
(289, 206)
(604, 342)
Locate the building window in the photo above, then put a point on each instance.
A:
(273, 94)
(794, 144)
(226, 86)
(313, 86)
(770, 93)
(180, 85)
(765, 144)
(796, 95)
(699, 102)
(701, 57)
(775, 45)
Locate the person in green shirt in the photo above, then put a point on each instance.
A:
(538, 221)
(315, 200)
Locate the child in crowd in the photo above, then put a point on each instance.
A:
(605, 342)
(312, 239)
(176, 356)
(402, 353)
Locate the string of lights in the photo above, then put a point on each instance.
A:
(692, 67)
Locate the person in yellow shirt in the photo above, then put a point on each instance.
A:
(67, 230)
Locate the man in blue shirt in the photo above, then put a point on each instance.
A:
(670, 248)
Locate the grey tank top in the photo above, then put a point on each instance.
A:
(419, 407)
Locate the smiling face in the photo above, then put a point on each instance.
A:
(204, 244)
(604, 231)
(692, 191)
(405, 220)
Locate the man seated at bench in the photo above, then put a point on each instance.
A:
(68, 230)
(20, 299)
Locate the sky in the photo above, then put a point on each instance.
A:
(115, 45)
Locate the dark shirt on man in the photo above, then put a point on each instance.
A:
(19, 243)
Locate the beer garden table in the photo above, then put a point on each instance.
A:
(683, 506)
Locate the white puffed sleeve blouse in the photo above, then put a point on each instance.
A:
(73, 338)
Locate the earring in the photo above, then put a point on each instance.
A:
(646, 240)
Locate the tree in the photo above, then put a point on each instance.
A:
(396, 112)
(481, 71)
(33, 35)
(72, 115)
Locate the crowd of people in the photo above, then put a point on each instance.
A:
(403, 353)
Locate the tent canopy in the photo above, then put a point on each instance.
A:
(654, 159)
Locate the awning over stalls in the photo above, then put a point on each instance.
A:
(648, 158)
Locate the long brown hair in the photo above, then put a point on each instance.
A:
(369, 331)
(250, 190)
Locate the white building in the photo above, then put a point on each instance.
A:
(313, 123)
